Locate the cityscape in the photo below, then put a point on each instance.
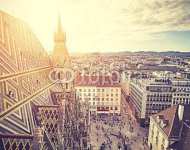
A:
(94, 99)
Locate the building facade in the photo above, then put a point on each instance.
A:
(103, 96)
(181, 92)
(150, 96)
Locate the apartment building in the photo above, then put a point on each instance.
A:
(181, 91)
(103, 93)
(150, 96)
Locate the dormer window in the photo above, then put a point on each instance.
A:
(11, 94)
(164, 123)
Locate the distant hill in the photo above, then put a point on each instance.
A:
(167, 53)
(179, 54)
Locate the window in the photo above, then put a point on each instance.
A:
(162, 147)
(157, 137)
(163, 141)
(156, 140)
(66, 85)
(152, 133)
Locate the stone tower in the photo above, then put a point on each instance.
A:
(61, 56)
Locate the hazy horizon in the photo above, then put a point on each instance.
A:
(108, 25)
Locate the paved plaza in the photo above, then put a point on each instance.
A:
(117, 132)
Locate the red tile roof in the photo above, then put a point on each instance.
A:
(183, 130)
(172, 129)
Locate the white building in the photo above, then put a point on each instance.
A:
(102, 93)
(150, 96)
(181, 91)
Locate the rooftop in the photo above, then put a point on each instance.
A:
(172, 116)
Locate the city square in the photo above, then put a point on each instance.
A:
(119, 132)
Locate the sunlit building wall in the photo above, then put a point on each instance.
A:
(103, 98)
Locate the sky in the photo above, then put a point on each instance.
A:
(108, 25)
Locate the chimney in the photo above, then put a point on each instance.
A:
(180, 112)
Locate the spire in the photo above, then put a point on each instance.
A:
(60, 54)
(59, 34)
(59, 24)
